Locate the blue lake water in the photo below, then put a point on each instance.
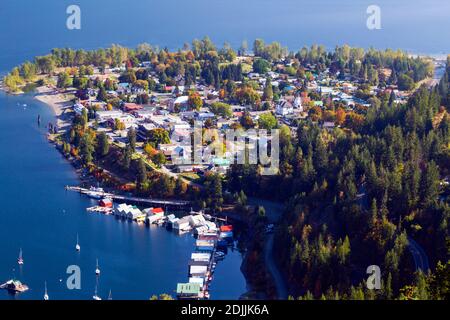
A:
(38, 215)
(28, 28)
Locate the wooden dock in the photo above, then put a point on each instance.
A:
(180, 203)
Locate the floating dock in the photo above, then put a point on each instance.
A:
(180, 203)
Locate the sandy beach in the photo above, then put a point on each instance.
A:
(58, 102)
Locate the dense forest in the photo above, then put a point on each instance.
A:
(356, 195)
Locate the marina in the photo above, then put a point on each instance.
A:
(212, 239)
(99, 194)
(151, 259)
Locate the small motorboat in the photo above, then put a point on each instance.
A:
(96, 296)
(20, 259)
(77, 246)
(14, 286)
(97, 269)
(46, 294)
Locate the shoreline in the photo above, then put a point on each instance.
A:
(58, 103)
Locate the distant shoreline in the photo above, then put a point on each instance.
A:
(57, 102)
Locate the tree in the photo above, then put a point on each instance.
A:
(261, 65)
(405, 82)
(158, 136)
(86, 148)
(195, 102)
(267, 121)
(268, 91)
(159, 158)
(45, 64)
(102, 95)
(131, 137)
(243, 48)
(440, 281)
(221, 109)
(126, 158)
(141, 176)
(430, 183)
(64, 80)
(102, 145)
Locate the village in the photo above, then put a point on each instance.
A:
(163, 116)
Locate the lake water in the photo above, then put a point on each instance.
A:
(28, 28)
(38, 215)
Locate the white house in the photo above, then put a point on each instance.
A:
(298, 103)
(102, 116)
(284, 108)
(78, 108)
(197, 220)
(128, 211)
(182, 224)
(154, 214)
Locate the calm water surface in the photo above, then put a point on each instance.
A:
(39, 216)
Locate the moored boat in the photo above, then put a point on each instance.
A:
(20, 259)
(14, 286)
(77, 246)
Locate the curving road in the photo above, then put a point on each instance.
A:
(419, 255)
(273, 213)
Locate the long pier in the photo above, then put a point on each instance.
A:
(130, 199)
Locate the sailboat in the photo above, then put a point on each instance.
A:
(77, 247)
(20, 259)
(97, 269)
(46, 294)
(96, 297)
(110, 295)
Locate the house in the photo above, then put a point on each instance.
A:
(198, 270)
(202, 116)
(123, 88)
(78, 108)
(103, 116)
(144, 130)
(182, 224)
(154, 214)
(198, 280)
(179, 104)
(328, 125)
(298, 103)
(197, 220)
(284, 108)
(106, 203)
(171, 219)
(188, 290)
(201, 256)
(129, 107)
(128, 211)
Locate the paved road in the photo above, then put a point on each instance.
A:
(419, 255)
(273, 213)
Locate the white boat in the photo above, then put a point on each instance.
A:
(95, 296)
(96, 193)
(77, 246)
(97, 269)
(20, 259)
(46, 294)
(110, 295)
